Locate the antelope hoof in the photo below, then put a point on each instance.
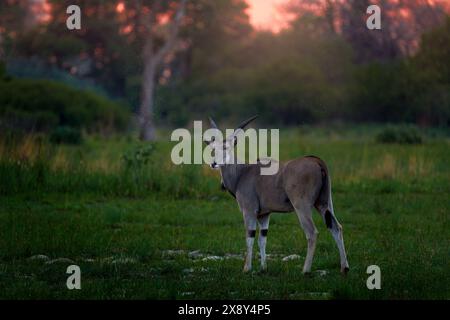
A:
(247, 269)
(306, 270)
(345, 270)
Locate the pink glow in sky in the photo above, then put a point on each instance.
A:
(265, 14)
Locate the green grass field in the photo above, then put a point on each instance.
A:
(142, 228)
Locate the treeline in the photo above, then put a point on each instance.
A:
(298, 77)
(414, 89)
(312, 72)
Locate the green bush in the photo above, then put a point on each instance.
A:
(39, 105)
(26, 121)
(400, 134)
(139, 157)
(66, 135)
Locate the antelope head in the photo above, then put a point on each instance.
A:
(223, 149)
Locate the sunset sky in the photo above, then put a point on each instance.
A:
(264, 14)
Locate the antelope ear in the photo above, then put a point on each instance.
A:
(213, 123)
(234, 137)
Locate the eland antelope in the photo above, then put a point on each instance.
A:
(299, 185)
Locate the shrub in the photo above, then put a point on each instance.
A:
(40, 105)
(25, 121)
(66, 135)
(401, 135)
(138, 157)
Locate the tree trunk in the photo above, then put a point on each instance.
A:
(152, 61)
(2, 55)
(147, 128)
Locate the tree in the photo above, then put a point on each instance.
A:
(402, 21)
(13, 16)
(122, 42)
(154, 54)
(430, 77)
(215, 35)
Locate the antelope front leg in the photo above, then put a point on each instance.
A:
(262, 239)
(250, 226)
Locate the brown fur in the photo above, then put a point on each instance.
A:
(299, 185)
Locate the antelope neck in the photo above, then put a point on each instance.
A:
(231, 173)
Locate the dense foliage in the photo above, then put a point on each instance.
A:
(308, 73)
(42, 105)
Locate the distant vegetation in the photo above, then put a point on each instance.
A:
(126, 167)
(307, 74)
(45, 106)
(299, 78)
(401, 134)
(66, 135)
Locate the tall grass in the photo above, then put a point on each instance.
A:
(127, 167)
(32, 165)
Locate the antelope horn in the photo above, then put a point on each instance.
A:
(246, 122)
